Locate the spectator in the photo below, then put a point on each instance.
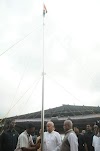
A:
(9, 137)
(95, 129)
(81, 140)
(70, 141)
(83, 132)
(96, 139)
(89, 138)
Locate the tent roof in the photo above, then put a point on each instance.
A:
(63, 111)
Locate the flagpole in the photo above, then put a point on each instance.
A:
(42, 112)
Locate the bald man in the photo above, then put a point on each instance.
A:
(70, 141)
(52, 139)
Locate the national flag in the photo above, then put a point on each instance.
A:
(44, 10)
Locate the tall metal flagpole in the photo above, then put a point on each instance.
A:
(42, 112)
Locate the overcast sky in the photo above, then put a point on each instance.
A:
(72, 54)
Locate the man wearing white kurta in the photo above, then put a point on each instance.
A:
(52, 139)
(96, 143)
(96, 140)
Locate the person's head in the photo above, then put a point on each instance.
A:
(83, 132)
(99, 130)
(11, 124)
(50, 126)
(67, 125)
(30, 128)
(76, 130)
(88, 127)
(40, 131)
(95, 129)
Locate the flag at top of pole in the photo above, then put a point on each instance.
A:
(44, 10)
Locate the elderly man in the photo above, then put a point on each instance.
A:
(52, 139)
(70, 141)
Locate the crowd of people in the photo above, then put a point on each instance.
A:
(87, 140)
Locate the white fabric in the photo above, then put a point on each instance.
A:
(24, 140)
(73, 141)
(96, 143)
(52, 141)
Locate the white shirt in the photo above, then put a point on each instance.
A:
(24, 140)
(52, 141)
(96, 143)
(73, 141)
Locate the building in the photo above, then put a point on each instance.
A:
(80, 115)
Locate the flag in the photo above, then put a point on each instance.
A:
(44, 10)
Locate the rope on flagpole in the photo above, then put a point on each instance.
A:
(17, 42)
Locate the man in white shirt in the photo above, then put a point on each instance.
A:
(25, 142)
(96, 139)
(70, 141)
(52, 139)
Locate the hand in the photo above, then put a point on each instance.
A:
(39, 141)
(30, 143)
(24, 149)
(37, 145)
